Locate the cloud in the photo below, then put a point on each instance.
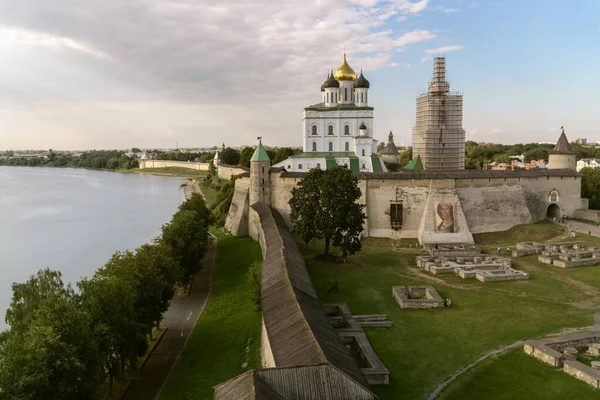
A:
(444, 49)
(447, 10)
(496, 130)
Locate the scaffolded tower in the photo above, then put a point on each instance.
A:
(438, 135)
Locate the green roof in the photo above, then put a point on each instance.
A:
(324, 154)
(376, 161)
(260, 154)
(321, 107)
(354, 165)
(415, 164)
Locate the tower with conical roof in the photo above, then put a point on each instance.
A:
(438, 135)
(562, 156)
(390, 155)
(260, 180)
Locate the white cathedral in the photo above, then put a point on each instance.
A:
(339, 130)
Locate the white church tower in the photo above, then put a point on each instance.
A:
(339, 129)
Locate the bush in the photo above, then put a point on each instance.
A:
(253, 281)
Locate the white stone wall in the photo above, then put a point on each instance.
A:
(169, 164)
(562, 161)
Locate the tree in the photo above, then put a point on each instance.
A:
(187, 237)
(110, 300)
(229, 156)
(136, 150)
(323, 206)
(50, 351)
(590, 186)
(245, 156)
(380, 147)
(283, 153)
(406, 156)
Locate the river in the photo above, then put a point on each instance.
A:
(73, 220)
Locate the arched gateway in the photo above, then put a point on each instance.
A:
(553, 211)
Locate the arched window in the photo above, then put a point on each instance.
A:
(346, 129)
(314, 146)
(345, 165)
(346, 94)
(364, 166)
(299, 166)
(330, 132)
(330, 146)
(347, 146)
(314, 129)
(363, 152)
(318, 165)
(328, 97)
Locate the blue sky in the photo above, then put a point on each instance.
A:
(150, 73)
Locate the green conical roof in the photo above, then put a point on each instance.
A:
(415, 164)
(260, 154)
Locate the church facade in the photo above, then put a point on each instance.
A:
(433, 205)
(339, 129)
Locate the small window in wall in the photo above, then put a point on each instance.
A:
(553, 197)
(346, 130)
(361, 97)
(299, 166)
(363, 166)
(314, 129)
(318, 165)
(314, 146)
(330, 146)
(328, 97)
(347, 146)
(396, 215)
(330, 130)
(363, 152)
(346, 94)
(345, 165)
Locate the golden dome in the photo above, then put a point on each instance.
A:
(344, 72)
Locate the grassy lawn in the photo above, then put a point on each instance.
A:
(425, 347)
(216, 348)
(515, 375)
(210, 193)
(171, 171)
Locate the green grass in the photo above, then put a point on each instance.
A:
(425, 347)
(515, 375)
(171, 171)
(216, 348)
(210, 193)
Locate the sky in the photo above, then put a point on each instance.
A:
(156, 73)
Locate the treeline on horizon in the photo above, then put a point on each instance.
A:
(63, 343)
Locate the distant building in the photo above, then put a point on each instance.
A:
(581, 141)
(587, 163)
(516, 165)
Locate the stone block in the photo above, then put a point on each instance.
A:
(594, 349)
(417, 297)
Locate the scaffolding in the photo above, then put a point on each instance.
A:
(438, 135)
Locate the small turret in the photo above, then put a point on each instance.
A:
(562, 156)
(361, 91)
(260, 180)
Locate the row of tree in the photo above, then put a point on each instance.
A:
(63, 342)
(231, 156)
(95, 159)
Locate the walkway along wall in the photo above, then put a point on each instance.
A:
(304, 357)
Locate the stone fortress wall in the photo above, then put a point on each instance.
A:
(169, 164)
(487, 201)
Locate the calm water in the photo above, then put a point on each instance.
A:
(73, 220)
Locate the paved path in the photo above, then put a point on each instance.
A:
(581, 227)
(181, 317)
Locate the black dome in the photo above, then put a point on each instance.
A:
(362, 126)
(362, 82)
(331, 83)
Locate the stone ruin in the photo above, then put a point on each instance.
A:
(484, 268)
(417, 297)
(349, 329)
(453, 250)
(562, 255)
(569, 353)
